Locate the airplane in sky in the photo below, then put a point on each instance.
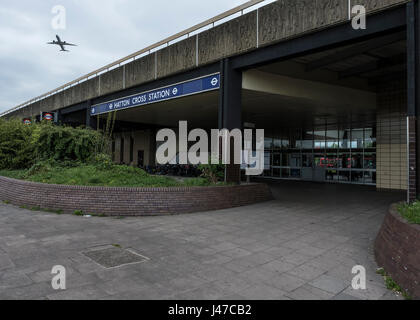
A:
(62, 44)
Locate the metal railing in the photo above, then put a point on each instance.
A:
(148, 50)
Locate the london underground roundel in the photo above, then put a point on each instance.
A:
(48, 116)
(27, 121)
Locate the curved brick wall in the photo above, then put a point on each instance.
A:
(131, 201)
(397, 250)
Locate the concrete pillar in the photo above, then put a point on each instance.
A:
(152, 147)
(230, 111)
(413, 98)
(90, 121)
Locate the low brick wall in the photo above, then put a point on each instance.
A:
(397, 250)
(131, 201)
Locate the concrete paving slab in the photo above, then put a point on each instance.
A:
(300, 246)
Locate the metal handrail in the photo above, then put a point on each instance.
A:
(148, 50)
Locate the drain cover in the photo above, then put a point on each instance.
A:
(111, 256)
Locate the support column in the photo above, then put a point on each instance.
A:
(413, 98)
(230, 111)
(152, 147)
(59, 117)
(90, 121)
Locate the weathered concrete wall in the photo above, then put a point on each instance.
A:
(177, 57)
(276, 22)
(227, 39)
(90, 88)
(112, 81)
(375, 5)
(140, 71)
(287, 18)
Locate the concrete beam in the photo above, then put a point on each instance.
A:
(377, 5)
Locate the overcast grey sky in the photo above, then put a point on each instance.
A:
(105, 30)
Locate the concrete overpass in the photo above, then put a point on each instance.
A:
(273, 23)
(339, 105)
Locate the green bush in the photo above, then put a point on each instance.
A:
(23, 146)
(16, 145)
(212, 172)
(66, 143)
(410, 212)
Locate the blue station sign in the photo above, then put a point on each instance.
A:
(199, 85)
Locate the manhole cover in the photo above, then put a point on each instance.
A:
(111, 256)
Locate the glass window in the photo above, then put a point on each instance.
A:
(307, 160)
(346, 155)
(332, 139)
(319, 137)
(343, 161)
(369, 177)
(267, 160)
(370, 138)
(307, 140)
(295, 173)
(295, 138)
(369, 161)
(277, 159)
(344, 176)
(331, 175)
(285, 144)
(344, 139)
(277, 143)
(285, 159)
(357, 176)
(331, 160)
(319, 160)
(356, 160)
(295, 161)
(268, 143)
(357, 139)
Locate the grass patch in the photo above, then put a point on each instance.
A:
(78, 213)
(6, 201)
(98, 215)
(38, 208)
(392, 285)
(15, 174)
(410, 212)
(92, 175)
(58, 211)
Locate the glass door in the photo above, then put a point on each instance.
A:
(307, 166)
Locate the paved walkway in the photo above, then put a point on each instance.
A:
(301, 246)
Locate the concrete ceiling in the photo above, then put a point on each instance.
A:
(273, 112)
(361, 65)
